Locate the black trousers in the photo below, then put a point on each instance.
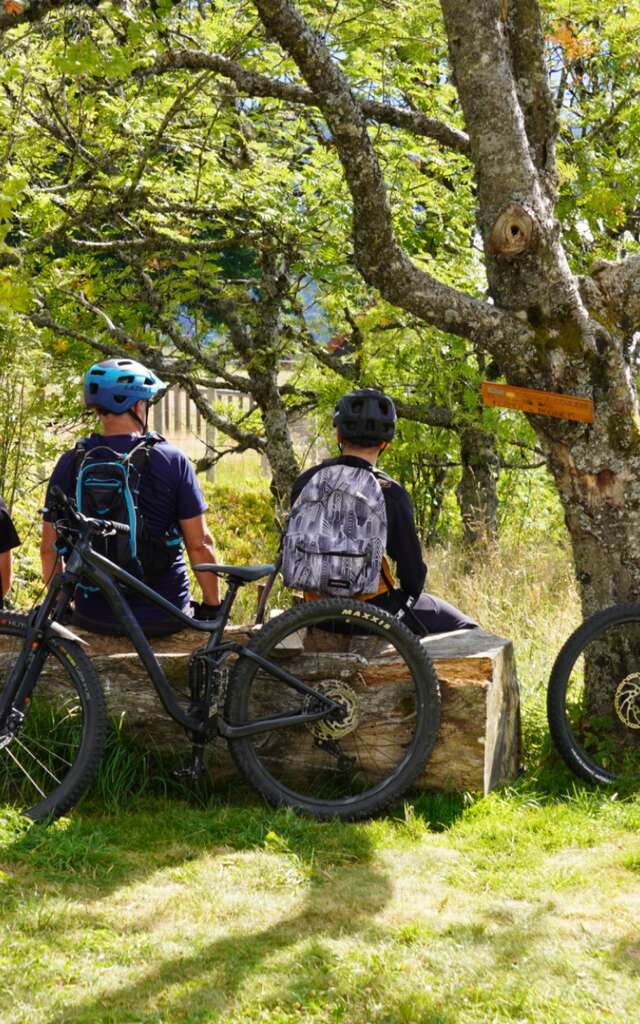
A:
(433, 614)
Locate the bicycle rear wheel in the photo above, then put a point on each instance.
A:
(358, 761)
(593, 700)
(51, 760)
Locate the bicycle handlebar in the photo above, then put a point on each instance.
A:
(104, 526)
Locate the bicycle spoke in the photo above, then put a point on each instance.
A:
(49, 750)
(25, 772)
(37, 760)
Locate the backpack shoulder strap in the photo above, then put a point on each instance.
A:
(153, 437)
(79, 451)
(384, 479)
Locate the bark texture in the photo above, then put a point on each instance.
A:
(476, 492)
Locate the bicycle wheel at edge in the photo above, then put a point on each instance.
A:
(599, 737)
(361, 761)
(48, 766)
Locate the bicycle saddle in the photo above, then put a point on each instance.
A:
(245, 573)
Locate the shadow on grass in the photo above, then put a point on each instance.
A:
(211, 977)
(87, 858)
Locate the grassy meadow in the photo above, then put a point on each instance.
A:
(154, 906)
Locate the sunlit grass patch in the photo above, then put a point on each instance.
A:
(230, 913)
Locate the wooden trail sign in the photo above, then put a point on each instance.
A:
(543, 403)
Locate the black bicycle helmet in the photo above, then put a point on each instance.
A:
(365, 418)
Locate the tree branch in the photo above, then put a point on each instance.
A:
(418, 412)
(618, 283)
(203, 357)
(172, 374)
(526, 40)
(379, 257)
(208, 461)
(37, 9)
(254, 84)
(430, 415)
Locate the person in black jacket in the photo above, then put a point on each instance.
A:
(365, 420)
(8, 540)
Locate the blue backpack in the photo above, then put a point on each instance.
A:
(107, 486)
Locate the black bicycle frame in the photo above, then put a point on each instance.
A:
(87, 565)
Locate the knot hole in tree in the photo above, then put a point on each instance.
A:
(513, 232)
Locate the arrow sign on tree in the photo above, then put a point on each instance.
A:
(542, 403)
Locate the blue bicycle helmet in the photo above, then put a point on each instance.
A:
(117, 384)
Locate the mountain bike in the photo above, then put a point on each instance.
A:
(312, 722)
(593, 699)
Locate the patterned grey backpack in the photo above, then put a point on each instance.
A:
(336, 534)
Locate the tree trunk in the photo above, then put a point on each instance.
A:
(597, 472)
(279, 448)
(260, 347)
(476, 492)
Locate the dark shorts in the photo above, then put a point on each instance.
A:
(115, 629)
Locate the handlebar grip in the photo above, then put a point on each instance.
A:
(118, 527)
(58, 495)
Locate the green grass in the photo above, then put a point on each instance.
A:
(154, 905)
(519, 907)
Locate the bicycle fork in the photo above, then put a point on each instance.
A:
(23, 676)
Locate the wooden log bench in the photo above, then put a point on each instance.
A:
(478, 747)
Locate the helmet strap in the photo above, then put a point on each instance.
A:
(134, 415)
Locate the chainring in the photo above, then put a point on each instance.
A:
(627, 701)
(332, 727)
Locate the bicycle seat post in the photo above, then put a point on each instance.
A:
(225, 610)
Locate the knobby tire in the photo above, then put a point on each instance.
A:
(62, 739)
(578, 753)
(269, 762)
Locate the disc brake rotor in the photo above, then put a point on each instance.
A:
(627, 701)
(338, 723)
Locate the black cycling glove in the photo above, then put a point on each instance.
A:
(202, 610)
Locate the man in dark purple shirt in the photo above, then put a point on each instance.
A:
(8, 540)
(120, 390)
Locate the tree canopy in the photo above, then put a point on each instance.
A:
(215, 186)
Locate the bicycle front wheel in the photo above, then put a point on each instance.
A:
(593, 700)
(357, 761)
(50, 760)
